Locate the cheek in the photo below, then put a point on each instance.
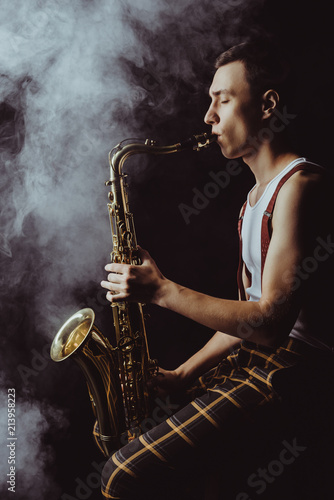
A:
(236, 129)
(251, 118)
(236, 134)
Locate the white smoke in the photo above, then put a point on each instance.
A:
(24, 456)
(60, 65)
(79, 76)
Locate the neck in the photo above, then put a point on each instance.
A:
(268, 161)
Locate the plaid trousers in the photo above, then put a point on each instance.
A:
(225, 397)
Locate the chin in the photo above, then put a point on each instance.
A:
(229, 154)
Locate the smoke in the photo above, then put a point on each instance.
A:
(77, 76)
(25, 456)
(80, 76)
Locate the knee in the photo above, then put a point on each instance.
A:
(117, 481)
(109, 472)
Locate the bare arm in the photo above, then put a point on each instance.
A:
(218, 347)
(267, 321)
(174, 381)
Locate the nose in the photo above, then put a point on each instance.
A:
(211, 117)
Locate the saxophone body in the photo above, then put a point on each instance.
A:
(117, 376)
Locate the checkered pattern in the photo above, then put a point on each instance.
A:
(240, 384)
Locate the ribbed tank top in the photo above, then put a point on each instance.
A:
(251, 252)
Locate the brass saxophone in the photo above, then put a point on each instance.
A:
(117, 377)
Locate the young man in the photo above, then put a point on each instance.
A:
(287, 247)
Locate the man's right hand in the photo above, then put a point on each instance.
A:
(167, 382)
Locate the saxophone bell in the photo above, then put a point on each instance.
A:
(80, 339)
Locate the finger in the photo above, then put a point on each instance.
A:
(107, 285)
(112, 297)
(116, 267)
(111, 287)
(114, 277)
(143, 254)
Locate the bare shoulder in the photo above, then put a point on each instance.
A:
(305, 186)
(303, 180)
(305, 199)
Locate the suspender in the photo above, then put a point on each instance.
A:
(239, 273)
(266, 223)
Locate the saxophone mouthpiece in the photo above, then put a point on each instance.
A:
(198, 142)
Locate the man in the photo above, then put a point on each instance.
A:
(287, 248)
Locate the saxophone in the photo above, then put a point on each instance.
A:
(117, 376)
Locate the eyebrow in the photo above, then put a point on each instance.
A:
(217, 93)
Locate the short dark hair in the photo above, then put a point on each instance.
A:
(265, 65)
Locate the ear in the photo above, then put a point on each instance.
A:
(270, 100)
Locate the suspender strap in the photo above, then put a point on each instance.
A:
(268, 213)
(239, 273)
(266, 222)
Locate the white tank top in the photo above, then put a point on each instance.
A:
(251, 253)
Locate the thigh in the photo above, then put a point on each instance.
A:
(187, 441)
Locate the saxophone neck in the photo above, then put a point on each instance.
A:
(121, 219)
(198, 142)
(120, 153)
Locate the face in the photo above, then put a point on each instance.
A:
(234, 114)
